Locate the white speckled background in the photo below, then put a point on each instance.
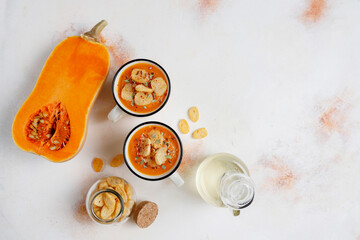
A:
(277, 85)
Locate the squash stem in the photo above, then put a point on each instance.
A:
(94, 33)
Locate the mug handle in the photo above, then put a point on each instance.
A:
(115, 114)
(177, 180)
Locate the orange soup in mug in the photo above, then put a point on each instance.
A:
(141, 88)
(153, 151)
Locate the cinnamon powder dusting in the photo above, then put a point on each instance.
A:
(208, 5)
(80, 213)
(315, 10)
(79, 208)
(192, 153)
(118, 50)
(284, 177)
(71, 30)
(333, 118)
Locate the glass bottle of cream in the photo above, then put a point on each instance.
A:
(223, 180)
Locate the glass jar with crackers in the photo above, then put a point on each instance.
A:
(110, 200)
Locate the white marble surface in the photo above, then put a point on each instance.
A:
(278, 90)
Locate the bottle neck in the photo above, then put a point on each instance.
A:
(237, 190)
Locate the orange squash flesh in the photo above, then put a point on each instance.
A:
(66, 90)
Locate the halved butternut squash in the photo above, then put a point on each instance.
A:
(53, 120)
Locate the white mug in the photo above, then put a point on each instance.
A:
(172, 173)
(120, 110)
